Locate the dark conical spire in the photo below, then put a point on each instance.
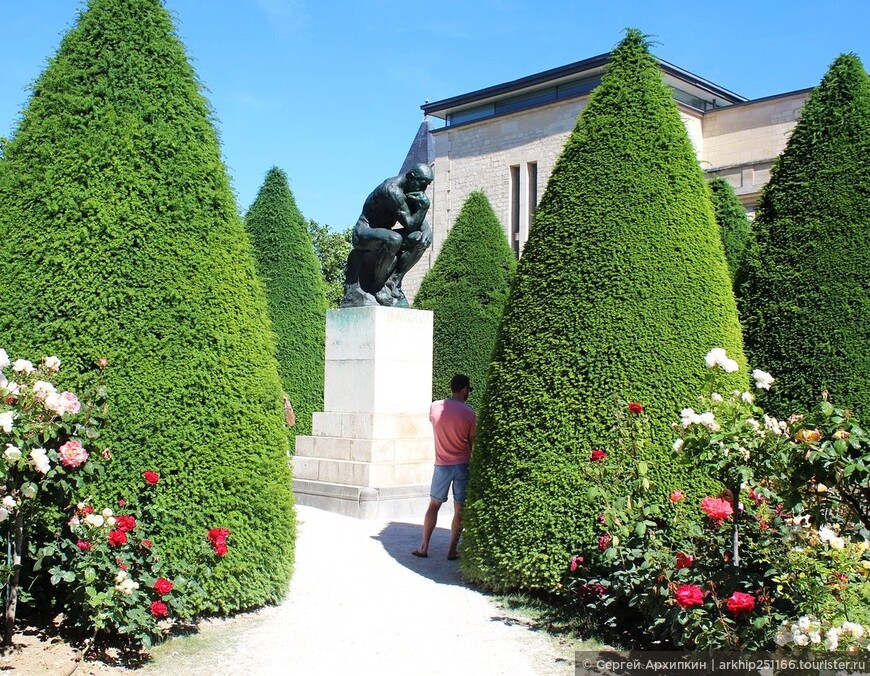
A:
(422, 149)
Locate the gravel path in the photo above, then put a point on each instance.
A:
(360, 603)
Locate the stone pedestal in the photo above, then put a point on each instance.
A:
(370, 454)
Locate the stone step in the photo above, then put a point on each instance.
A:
(366, 450)
(364, 474)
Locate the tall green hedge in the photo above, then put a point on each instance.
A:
(806, 301)
(621, 291)
(467, 290)
(734, 226)
(296, 293)
(120, 238)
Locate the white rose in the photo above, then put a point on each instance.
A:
(729, 366)
(804, 622)
(678, 445)
(746, 398)
(716, 397)
(110, 521)
(12, 453)
(801, 639)
(837, 543)
(94, 520)
(51, 363)
(9, 502)
(42, 389)
(763, 380)
(744, 453)
(815, 637)
(39, 460)
(4, 360)
(11, 387)
(832, 639)
(715, 357)
(855, 629)
(753, 423)
(708, 420)
(121, 576)
(107, 512)
(22, 366)
(4, 514)
(6, 419)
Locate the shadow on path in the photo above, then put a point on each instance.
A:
(400, 539)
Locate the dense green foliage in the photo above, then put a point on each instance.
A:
(467, 290)
(733, 224)
(621, 291)
(120, 238)
(296, 293)
(806, 301)
(331, 249)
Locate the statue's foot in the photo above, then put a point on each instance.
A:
(354, 296)
(385, 297)
(394, 287)
(399, 299)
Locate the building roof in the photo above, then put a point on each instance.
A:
(557, 80)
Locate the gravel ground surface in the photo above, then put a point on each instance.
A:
(359, 603)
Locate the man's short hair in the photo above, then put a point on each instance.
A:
(459, 381)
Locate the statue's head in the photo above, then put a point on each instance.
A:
(419, 177)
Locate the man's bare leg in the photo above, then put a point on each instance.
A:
(455, 531)
(429, 522)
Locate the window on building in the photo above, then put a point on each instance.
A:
(515, 209)
(533, 194)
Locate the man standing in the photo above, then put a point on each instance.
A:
(455, 424)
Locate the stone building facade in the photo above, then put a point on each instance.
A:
(505, 140)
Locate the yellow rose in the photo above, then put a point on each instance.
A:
(808, 436)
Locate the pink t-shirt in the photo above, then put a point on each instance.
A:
(454, 423)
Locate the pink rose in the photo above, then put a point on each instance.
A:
(576, 562)
(741, 603)
(604, 541)
(717, 509)
(676, 496)
(72, 454)
(689, 595)
(68, 403)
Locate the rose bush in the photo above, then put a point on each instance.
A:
(748, 566)
(45, 435)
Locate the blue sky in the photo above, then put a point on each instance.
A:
(331, 91)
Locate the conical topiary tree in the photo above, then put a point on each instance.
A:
(734, 226)
(806, 301)
(296, 293)
(621, 291)
(467, 289)
(121, 239)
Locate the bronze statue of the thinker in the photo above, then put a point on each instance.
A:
(382, 253)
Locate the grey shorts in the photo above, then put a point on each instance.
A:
(443, 476)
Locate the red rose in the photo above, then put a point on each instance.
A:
(84, 545)
(125, 523)
(220, 548)
(85, 509)
(146, 544)
(597, 456)
(117, 538)
(684, 561)
(635, 408)
(151, 478)
(162, 586)
(218, 534)
(676, 496)
(576, 562)
(604, 541)
(159, 609)
(741, 603)
(689, 595)
(717, 509)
